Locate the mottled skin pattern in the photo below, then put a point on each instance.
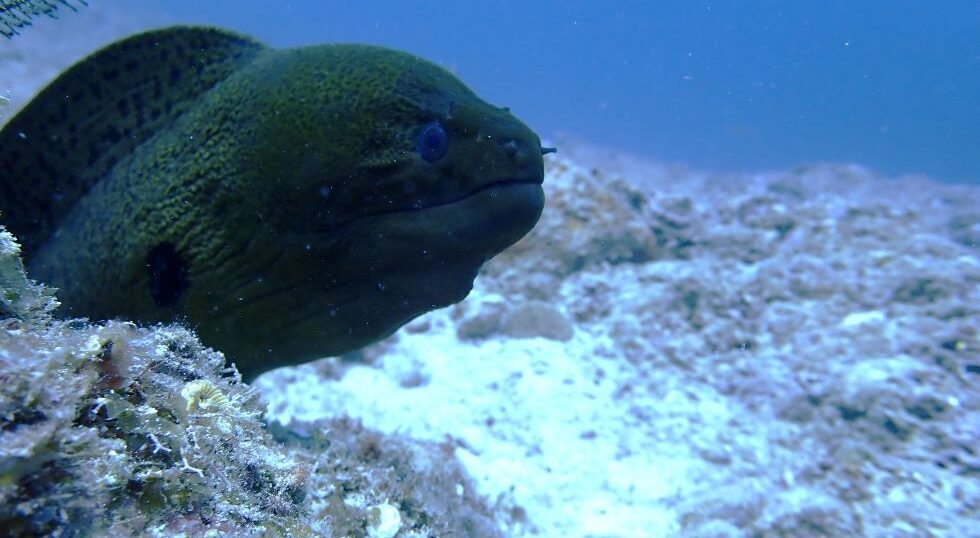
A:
(275, 200)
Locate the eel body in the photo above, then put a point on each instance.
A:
(288, 204)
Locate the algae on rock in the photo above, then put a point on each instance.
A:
(21, 298)
(96, 437)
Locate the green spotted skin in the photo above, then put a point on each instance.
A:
(274, 200)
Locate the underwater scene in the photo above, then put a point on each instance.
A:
(406, 269)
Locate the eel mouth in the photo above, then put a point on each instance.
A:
(539, 180)
(489, 186)
(492, 188)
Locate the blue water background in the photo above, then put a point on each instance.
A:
(723, 85)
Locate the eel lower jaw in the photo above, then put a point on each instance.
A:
(493, 188)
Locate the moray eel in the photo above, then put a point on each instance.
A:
(288, 204)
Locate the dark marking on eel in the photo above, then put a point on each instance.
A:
(168, 275)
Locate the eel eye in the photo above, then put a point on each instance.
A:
(433, 142)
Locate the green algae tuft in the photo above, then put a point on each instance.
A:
(17, 14)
